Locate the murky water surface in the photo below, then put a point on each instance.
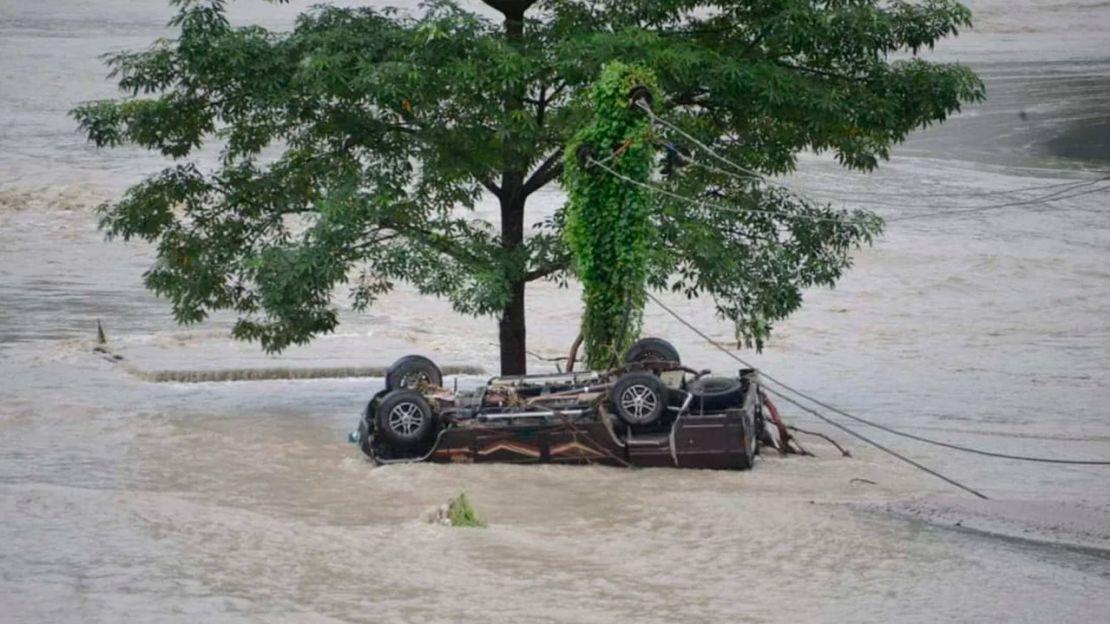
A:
(121, 498)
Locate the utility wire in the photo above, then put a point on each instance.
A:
(1065, 190)
(706, 204)
(955, 447)
(1068, 193)
(812, 411)
(749, 174)
(1025, 189)
(834, 409)
(1062, 192)
(705, 148)
(909, 461)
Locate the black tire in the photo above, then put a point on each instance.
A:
(410, 371)
(715, 393)
(652, 350)
(639, 398)
(404, 418)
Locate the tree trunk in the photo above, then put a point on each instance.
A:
(513, 336)
(512, 330)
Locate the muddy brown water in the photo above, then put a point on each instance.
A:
(240, 501)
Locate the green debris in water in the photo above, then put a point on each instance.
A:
(458, 513)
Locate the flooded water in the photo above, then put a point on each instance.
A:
(240, 501)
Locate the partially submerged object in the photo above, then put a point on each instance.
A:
(648, 411)
(458, 512)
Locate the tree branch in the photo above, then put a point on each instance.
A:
(490, 186)
(549, 169)
(821, 72)
(556, 92)
(544, 271)
(687, 98)
(510, 7)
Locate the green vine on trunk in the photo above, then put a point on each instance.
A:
(607, 227)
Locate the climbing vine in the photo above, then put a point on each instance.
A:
(607, 227)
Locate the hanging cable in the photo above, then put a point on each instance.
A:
(812, 411)
(714, 206)
(749, 174)
(948, 445)
(705, 148)
(1062, 192)
(836, 410)
(925, 199)
(1067, 190)
(1068, 193)
(965, 194)
(896, 454)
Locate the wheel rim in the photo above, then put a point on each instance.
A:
(406, 418)
(639, 402)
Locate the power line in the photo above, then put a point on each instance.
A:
(1068, 193)
(1026, 189)
(693, 139)
(1067, 190)
(706, 204)
(955, 447)
(1061, 193)
(749, 174)
(844, 428)
(834, 409)
(856, 434)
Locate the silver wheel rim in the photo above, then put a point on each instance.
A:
(639, 402)
(406, 418)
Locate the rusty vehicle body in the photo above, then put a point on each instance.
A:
(647, 412)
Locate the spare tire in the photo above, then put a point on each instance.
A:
(411, 371)
(716, 393)
(404, 418)
(639, 398)
(652, 350)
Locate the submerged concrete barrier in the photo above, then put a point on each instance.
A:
(246, 373)
(265, 374)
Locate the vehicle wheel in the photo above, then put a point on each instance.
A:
(412, 370)
(751, 449)
(762, 437)
(715, 393)
(651, 349)
(404, 418)
(639, 398)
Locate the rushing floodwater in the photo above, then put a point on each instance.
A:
(240, 501)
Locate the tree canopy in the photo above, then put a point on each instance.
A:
(390, 126)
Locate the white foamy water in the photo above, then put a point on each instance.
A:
(228, 502)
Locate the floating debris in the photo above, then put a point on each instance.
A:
(457, 513)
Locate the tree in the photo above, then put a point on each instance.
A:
(390, 127)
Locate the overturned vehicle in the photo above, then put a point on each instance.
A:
(648, 411)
